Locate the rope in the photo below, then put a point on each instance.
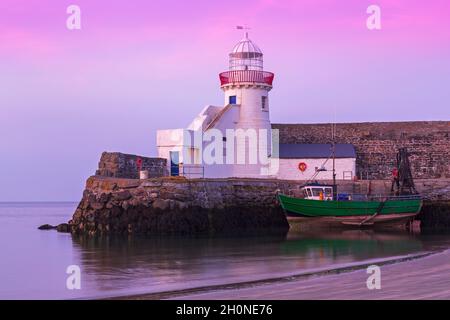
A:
(380, 207)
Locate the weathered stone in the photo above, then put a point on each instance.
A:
(377, 143)
(104, 197)
(152, 184)
(120, 165)
(122, 195)
(78, 214)
(161, 204)
(63, 227)
(182, 205)
(97, 205)
(136, 201)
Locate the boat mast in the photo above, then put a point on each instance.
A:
(333, 148)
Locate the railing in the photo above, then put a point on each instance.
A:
(377, 197)
(192, 171)
(246, 76)
(218, 116)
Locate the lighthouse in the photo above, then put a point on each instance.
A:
(231, 140)
(246, 85)
(235, 139)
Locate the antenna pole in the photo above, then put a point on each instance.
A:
(333, 147)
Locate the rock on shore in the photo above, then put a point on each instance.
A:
(62, 227)
(47, 227)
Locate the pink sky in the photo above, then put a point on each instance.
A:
(136, 66)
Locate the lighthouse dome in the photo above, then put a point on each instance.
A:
(246, 46)
(246, 55)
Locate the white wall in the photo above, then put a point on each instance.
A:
(288, 168)
(204, 117)
(170, 140)
(181, 141)
(251, 116)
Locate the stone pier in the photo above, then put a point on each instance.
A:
(169, 205)
(178, 206)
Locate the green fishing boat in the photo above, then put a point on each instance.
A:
(321, 201)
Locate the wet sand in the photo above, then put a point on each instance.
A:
(426, 277)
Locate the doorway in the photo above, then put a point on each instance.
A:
(174, 163)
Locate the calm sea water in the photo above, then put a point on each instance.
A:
(33, 263)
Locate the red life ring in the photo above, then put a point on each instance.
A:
(302, 166)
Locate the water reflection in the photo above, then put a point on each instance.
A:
(119, 266)
(358, 244)
(127, 265)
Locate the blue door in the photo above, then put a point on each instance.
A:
(232, 100)
(174, 163)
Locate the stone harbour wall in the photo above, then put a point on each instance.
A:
(377, 144)
(121, 165)
(435, 216)
(430, 189)
(178, 206)
(170, 205)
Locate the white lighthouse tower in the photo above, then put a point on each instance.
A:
(247, 86)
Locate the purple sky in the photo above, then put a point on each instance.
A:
(139, 65)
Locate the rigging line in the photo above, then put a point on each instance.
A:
(317, 172)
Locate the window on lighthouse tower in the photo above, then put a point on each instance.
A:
(264, 102)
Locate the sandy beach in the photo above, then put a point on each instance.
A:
(421, 276)
(427, 277)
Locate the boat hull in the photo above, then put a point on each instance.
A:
(388, 220)
(351, 212)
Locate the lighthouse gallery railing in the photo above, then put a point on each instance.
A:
(246, 76)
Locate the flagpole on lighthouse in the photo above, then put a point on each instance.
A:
(243, 28)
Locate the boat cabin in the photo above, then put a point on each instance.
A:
(318, 192)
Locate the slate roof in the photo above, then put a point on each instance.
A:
(315, 150)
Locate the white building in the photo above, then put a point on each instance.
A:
(307, 161)
(235, 140)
